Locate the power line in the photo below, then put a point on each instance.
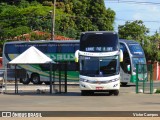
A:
(134, 20)
(133, 2)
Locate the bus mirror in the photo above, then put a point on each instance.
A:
(121, 55)
(128, 68)
(76, 55)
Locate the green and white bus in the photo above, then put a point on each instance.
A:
(99, 59)
(132, 54)
(58, 51)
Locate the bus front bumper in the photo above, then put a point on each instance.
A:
(99, 86)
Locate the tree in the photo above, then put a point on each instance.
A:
(151, 47)
(135, 30)
(101, 17)
(23, 18)
(88, 15)
(72, 17)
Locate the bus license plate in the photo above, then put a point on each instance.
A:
(99, 88)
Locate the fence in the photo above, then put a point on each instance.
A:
(144, 78)
(2, 82)
(57, 80)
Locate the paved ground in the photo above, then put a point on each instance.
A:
(127, 100)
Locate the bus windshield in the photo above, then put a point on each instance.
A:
(135, 49)
(99, 66)
(138, 61)
(99, 42)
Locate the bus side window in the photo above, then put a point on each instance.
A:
(11, 48)
(67, 48)
(42, 47)
(52, 48)
(126, 58)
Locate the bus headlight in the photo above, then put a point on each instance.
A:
(114, 80)
(83, 80)
(98, 81)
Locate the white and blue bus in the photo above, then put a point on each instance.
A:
(99, 59)
(58, 51)
(133, 54)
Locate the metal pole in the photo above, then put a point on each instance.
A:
(16, 82)
(65, 77)
(151, 80)
(51, 78)
(5, 79)
(52, 25)
(137, 78)
(143, 79)
(53, 21)
(60, 77)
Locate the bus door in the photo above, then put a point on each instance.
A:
(125, 73)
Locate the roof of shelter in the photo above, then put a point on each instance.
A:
(31, 56)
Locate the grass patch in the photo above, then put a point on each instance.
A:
(157, 91)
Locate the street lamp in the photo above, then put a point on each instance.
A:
(53, 20)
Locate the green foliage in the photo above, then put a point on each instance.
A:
(23, 18)
(136, 30)
(157, 91)
(23, 4)
(72, 17)
(151, 47)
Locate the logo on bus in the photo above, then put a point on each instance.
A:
(62, 57)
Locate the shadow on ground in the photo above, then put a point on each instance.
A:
(58, 94)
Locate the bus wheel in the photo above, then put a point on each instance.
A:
(124, 83)
(25, 81)
(116, 92)
(35, 79)
(83, 93)
(48, 83)
(110, 93)
(86, 92)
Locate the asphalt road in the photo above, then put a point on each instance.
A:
(127, 100)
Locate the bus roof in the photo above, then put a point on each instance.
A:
(44, 41)
(94, 32)
(128, 41)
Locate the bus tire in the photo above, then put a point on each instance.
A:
(25, 81)
(48, 83)
(110, 93)
(35, 79)
(86, 92)
(83, 93)
(124, 83)
(116, 92)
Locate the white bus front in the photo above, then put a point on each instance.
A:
(98, 74)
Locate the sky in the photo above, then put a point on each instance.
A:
(130, 10)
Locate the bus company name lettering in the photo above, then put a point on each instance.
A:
(62, 57)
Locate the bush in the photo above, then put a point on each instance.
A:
(157, 91)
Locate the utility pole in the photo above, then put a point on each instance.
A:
(53, 21)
